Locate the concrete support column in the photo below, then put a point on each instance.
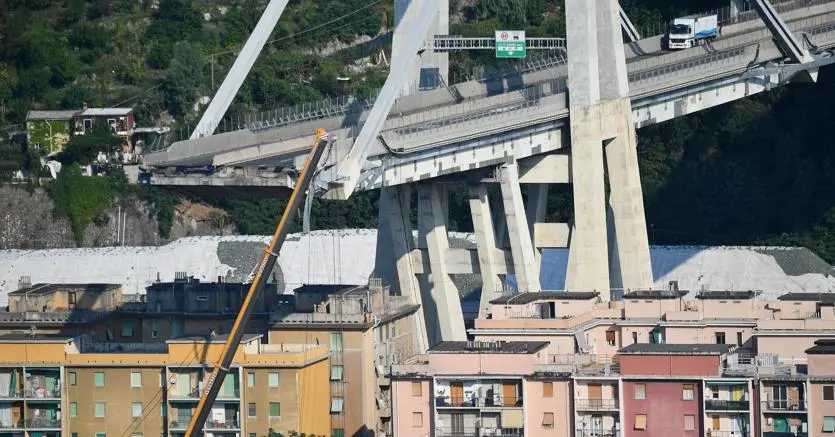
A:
(525, 267)
(434, 67)
(627, 202)
(442, 304)
(536, 210)
(394, 247)
(491, 283)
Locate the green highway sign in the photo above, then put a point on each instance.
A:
(510, 44)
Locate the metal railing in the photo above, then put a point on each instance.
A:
(13, 393)
(479, 432)
(227, 424)
(42, 393)
(11, 424)
(478, 401)
(42, 422)
(721, 405)
(721, 433)
(596, 433)
(196, 392)
(784, 434)
(596, 404)
(784, 405)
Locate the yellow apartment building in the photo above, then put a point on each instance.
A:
(52, 385)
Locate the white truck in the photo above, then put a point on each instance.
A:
(690, 32)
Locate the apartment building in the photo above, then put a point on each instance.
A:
(64, 297)
(63, 385)
(480, 389)
(366, 330)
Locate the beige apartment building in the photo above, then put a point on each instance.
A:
(61, 385)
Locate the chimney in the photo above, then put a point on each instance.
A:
(84, 106)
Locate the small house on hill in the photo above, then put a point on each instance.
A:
(49, 130)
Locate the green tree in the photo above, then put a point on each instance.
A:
(183, 78)
(83, 149)
(80, 199)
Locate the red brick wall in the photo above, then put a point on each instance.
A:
(664, 407)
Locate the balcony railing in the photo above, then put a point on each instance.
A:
(43, 423)
(784, 405)
(720, 405)
(42, 393)
(714, 433)
(228, 424)
(479, 432)
(596, 404)
(596, 433)
(12, 394)
(11, 424)
(477, 401)
(785, 434)
(196, 392)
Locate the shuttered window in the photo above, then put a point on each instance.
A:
(640, 421)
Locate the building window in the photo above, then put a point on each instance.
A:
(417, 388)
(98, 379)
(641, 421)
(127, 328)
(720, 338)
(338, 432)
(610, 338)
(337, 372)
(336, 342)
(72, 377)
(272, 381)
(73, 434)
(739, 339)
(99, 409)
(135, 379)
(250, 379)
(252, 434)
(689, 422)
(640, 391)
(417, 419)
(88, 124)
(829, 392)
(337, 403)
(101, 434)
(634, 338)
(73, 409)
(547, 389)
(163, 411)
(137, 434)
(548, 420)
(251, 412)
(275, 410)
(828, 423)
(154, 329)
(136, 409)
(688, 392)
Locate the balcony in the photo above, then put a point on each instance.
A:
(784, 434)
(596, 433)
(478, 402)
(179, 424)
(596, 404)
(479, 432)
(720, 405)
(720, 433)
(9, 425)
(34, 393)
(43, 423)
(214, 425)
(12, 394)
(785, 405)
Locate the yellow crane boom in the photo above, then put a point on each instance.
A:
(262, 273)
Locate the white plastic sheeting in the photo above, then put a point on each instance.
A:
(347, 257)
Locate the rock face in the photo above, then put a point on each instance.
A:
(27, 222)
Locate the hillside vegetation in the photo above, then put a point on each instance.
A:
(754, 172)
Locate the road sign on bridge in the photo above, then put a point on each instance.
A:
(510, 44)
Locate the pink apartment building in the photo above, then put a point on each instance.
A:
(481, 389)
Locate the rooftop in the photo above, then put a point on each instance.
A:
(50, 115)
(488, 347)
(656, 294)
(332, 289)
(101, 112)
(809, 297)
(822, 347)
(675, 349)
(525, 298)
(220, 338)
(37, 338)
(42, 289)
(727, 294)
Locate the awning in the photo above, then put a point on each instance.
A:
(547, 419)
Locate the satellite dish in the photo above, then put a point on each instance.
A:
(172, 379)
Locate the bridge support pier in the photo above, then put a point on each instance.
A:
(485, 238)
(441, 302)
(525, 267)
(602, 122)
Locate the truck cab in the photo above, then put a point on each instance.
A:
(681, 34)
